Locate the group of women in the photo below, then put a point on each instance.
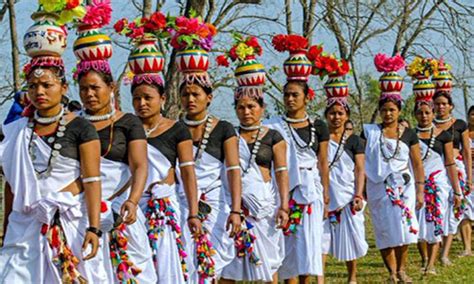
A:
(104, 196)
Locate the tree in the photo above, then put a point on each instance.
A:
(14, 47)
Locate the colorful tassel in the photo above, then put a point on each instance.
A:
(433, 204)
(406, 212)
(295, 216)
(125, 269)
(244, 243)
(204, 253)
(459, 211)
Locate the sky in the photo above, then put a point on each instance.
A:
(222, 104)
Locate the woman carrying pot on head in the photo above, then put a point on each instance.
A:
(260, 244)
(307, 158)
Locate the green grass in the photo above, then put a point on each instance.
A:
(372, 270)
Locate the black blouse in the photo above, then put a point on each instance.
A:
(167, 142)
(126, 129)
(456, 130)
(78, 131)
(264, 156)
(354, 145)
(409, 137)
(322, 133)
(221, 132)
(442, 138)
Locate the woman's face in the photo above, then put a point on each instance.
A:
(424, 115)
(294, 98)
(442, 106)
(147, 101)
(336, 116)
(248, 111)
(94, 92)
(194, 99)
(45, 89)
(389, 112)
(471, 118)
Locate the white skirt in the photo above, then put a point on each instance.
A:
(346, 240)
(303, 250)
(269, 246)
(390, 227)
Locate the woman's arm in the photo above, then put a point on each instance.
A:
(8, 207)
(452, 172)
(467, 159)
(281, 175)
(419, 172)
(90, 167)
(138, 163)
(231, 152)
(188, 175)
(359, 180)
(323, 167)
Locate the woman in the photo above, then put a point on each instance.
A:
(440, 173)
(260, 245)
(218, 174)
(52, 196)
(123, 171)
(168, 141)
(345, 239)
(392, 186)
(470, 117)
(309, 180)
(459, 132)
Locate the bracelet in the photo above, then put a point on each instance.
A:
(358, 197)
(235, 212)
(95, 231)
(231, 168)
(284, 210)
(281, 169)
(193, 217)
(128, 200)
(450, 165)
(457, 193)
(185, 164)
(420, 182)
(90, 179)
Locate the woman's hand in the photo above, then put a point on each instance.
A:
(129, 212)
(457, 199)
(358, 203)
(420, 199)
(195, 226)
(235, 222)
(93, 240)
(282, 217)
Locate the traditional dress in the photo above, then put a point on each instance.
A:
(432, 217)
(211, 179)
(303, 254)
(116, 181)
(46, 227)
(390, 187)
(161, 206)
(345, 237)
(260, 233)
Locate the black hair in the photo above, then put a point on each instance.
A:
(74, 106)
(159, 88)
(346, 108)
(444, 94)
(471, 108)
(420, 103)
(386, 100)
(259, 101)
(59, 72)
(302, 84)
(106, 77)
(207, 90)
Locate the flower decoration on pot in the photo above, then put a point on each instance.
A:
(154, 26)
(66, 11)
(443, 80)
(193, 38)
(421, 69)
(297, 67)
(93, 47)
(390, 83)
(250, 74)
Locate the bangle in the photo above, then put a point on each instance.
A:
(457, 193)
(450, 165)
(95, 231)
(90, 179)
(358, 197)
(231, 168)
(193, 217)
(129, 200)
(420, 182)
(235, 212)
(284, 210)
(185, 164)
(281, 169)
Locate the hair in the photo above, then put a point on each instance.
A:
(207, 90)
(420, 103)
(346, 108)
(258, 100)
(302, 84)
(74, 106)
(471, 108)
(106, 77)
(400, 120)
(444, 94)
(58, 72)
(159, 88)
(386, 100)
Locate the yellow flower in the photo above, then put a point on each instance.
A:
(53, 5)
(243, 51)
(68, 16)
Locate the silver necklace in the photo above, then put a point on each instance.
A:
(149, 131)
(249, 128)
(204, 139)
(56, 146)
(189, 122)
(296, 120)
(430, 144)
(425, 129)
(49, 119)
(255, 148)
(290, 131)
(95, 118)
(339, 151)
(441, 121)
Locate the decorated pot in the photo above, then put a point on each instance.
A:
(336, 86)
(391, 82)
(44, 37)
(146, 58)
(192, 60)
(443, 80)
(250, 72)
(423, 88)
(92, 44)
(298, 66)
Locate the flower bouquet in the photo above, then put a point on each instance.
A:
(297, 66)
(390, 82)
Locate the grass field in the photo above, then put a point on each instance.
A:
(372, 270)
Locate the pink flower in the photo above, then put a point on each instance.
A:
(98, 14)
(383, 63)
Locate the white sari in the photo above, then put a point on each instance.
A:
(26, 255)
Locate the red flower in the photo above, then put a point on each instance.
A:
(44, 229)
(279, 42)
(103, 207)
(71, 4)
(319, 62)
(311, 94)
(175, 43)
(314, 52)
(289, 43)
(233, 53)
(331, 65)
(222, 61)
(156, 22)
(343, 68)
(252, 42)
(120, 25)
(137, 32)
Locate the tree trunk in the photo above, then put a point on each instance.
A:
(14, 44)
(196, 5)
(147, 8)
